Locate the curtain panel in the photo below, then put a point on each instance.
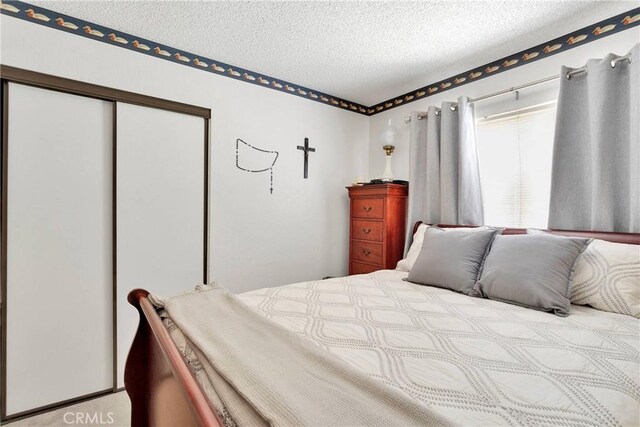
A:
(444, 175)
(596, 160)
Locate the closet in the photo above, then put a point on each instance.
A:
(59, 270)
(160, 183)
(103, 191)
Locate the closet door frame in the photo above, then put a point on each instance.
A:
(10, 74)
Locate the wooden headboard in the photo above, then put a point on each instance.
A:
(629, 238)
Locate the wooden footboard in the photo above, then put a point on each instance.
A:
(162, 388)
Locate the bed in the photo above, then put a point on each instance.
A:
(471, 361)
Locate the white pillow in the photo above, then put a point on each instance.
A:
(607, 277)
(418, 238)
(406, 264)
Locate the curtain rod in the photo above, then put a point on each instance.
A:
(526, 86)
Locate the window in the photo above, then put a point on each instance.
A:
(515, 153)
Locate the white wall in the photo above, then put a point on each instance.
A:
(300, 232)
(619, 43)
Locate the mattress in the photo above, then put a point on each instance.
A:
(474, 361)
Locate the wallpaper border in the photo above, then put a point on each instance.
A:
(96, 32)
(90, 30)
(580, 37)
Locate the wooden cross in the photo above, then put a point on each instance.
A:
(306, 150)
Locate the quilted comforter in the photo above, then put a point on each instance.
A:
(471, 360)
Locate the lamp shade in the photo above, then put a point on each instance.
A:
(389, 134)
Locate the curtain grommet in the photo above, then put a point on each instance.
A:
(614, 61)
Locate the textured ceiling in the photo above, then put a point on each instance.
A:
(365, 51)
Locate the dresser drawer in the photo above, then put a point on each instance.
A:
(368, 208)
(367, 252)
(366, 230)
(362, 268)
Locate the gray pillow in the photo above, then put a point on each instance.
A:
(531, 270)
(452, 258)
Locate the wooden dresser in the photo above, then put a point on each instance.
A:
(378, 226)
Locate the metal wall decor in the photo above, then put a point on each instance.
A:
(266, 158)
(306, 149)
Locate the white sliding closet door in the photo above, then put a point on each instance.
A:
(59, 248)
(160, 208)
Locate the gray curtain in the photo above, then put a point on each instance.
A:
(596, 158)
(444, 178)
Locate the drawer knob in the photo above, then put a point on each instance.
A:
(366, 230)
(366, 252)
(366, 208)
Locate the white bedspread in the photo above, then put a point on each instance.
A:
(266, 375)
(475, 361)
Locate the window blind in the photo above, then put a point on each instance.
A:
(515, 154)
